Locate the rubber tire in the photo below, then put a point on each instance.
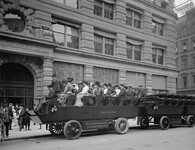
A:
(162, 119)
(59, 132)
(189, 119)
(144, 122)
(67, 125)
(117, 125)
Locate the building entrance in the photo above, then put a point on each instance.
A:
(16, 84)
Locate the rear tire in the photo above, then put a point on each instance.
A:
(144, 122)
(164, 122)
(190, 121)
(121, 126)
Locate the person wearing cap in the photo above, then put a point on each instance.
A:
(51, 95)
(141, 91)
(67, 91)
(56, 84)
(80, 95)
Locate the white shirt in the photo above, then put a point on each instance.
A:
(84, 90)
(105, 91)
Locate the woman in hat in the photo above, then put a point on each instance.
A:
(80, 95)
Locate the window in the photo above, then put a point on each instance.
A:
(184, 63)
(103, 44)
(104, 9)
(184, 47)
(157, 27)
(193, 47)
(66, 35)
(193, 61)
(184, 81)
(71, 3)
(158, 56)
(193, 80)
(133, 18)
(133, 51)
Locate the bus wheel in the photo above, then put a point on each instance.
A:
(164, 122)
(72, 129)
(190, 121)
(144, 122)
(56, 128)
(121, 126)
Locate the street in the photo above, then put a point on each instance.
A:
(176, 138)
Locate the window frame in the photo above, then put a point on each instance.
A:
(184, 82)
(133, 54)
(156, 28)
(65, 33)
(65, 3)
(104, 44)
(133, 18)
(156, 55)
(103, 9)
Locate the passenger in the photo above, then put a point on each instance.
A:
(97, 90)
(105, 88)
(110, 90)
(80, 95)
(75, 88)
(130, 92)
(141, 92)
(80, 87)
(67, 91)
(56, 85)
(91, 87)
(120, 94)
(149, 91)
(51, 95)
(64, 82)
(116, 91)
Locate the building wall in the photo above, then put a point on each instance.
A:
(36, 40)
(186, 53)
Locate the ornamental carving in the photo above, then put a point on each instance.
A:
(25, 23)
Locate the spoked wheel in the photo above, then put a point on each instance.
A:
(164, 122)
(56, 128)
(144, 122)
(190, 121)
(121, 125)
(72, 129)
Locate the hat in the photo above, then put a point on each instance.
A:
(97, 83)
(86, 82)
(105, 84)
(69, 79)
(140, 85)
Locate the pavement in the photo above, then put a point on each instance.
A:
(36, 132)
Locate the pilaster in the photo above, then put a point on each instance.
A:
(87, 6)
(147, 21)
(148, 80)
(121, 45)
(171, 85)
(88, 73)
(122, 76)
(87, 38)
(147, 52)
(47, 74)
(120, 11)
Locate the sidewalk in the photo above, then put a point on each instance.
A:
(35, 131)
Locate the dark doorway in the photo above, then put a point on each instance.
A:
(16, 84)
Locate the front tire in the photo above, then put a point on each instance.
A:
(56, 128)
(190, 121)
(72, 129)
(121, 126)
(144, 122)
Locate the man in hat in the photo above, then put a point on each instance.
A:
(56, 84)
(51, 95)
(141, 91)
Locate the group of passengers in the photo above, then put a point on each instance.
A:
(61, 90)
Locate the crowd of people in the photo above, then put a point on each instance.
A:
(61, 90)
(13, 115)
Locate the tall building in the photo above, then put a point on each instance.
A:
(186, 53)
(116, 41)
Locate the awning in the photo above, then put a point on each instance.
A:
(134, 42)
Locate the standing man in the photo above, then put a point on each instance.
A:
(11, 112)
(56, 84)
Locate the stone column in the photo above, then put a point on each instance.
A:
(87, 6)
(120, 11)
(87, 38)
(148, 80)
(147, 21)
(88, 73)
(147, 52)
(122, 76)
(47, 74)
(170, 30)
(121, 45)
(171, 85)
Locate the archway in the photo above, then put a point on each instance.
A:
(16, 84)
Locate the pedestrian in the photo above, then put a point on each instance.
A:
(11, 112)
(21, 112)
(7, 118)
(26, 119)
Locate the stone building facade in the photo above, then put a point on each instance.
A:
(186, 53)
(117, 41)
